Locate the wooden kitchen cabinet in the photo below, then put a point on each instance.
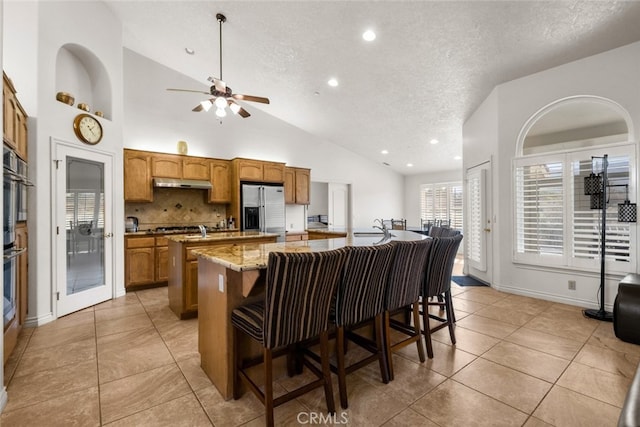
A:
(220, 172)
(248, 170)
(14, 126)
(258, 171)
(162, 260)
(195, 168)
(273, 172)
(297, 186)
(146, 261)
(183, 270)
(166, 166)
(22, 271)
(138, 186)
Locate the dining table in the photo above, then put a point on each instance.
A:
(233, 275)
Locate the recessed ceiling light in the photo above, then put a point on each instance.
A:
(434, 141)
(369, 35)
(385, 151)
(189, 51)
(409, 165)
(457, 158)
(332, 82)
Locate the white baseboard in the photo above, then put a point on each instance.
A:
(549, 297)
(32, 322)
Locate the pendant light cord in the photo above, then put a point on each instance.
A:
(220, 22)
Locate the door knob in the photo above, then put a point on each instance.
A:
(487, 230)
(108, 234)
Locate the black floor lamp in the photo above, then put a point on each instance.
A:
(597, 185)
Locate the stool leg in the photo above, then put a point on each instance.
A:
(268, 387)
(326, 372)
(342, 381)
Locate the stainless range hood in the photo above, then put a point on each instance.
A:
(181, 183)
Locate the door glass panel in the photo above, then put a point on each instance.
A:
(84, 225)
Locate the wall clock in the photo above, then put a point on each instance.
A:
(87, 128)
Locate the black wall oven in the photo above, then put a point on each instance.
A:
(13, 182)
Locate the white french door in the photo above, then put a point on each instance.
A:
(83, 227)
(478, 217)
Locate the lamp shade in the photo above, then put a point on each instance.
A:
(627, 211)
(593, 184)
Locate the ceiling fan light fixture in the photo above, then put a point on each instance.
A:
(221, 102)
(220, 112)
(234, 107)
(206, 104)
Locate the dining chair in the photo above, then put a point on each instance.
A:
(398, 224)
(404, 284)
(439, 231)
(299, 288)
(359, 299)
(437, 283)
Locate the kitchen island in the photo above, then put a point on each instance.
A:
(183, 264)
(230, 276)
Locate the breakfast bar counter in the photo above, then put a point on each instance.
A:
(230, 276)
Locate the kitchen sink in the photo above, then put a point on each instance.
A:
(370, 234)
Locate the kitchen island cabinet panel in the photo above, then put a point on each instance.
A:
(137, 176)
(162, 264)
(183, 265)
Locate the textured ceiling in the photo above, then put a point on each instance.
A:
(431, 65)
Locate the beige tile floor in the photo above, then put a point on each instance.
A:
(518, 361)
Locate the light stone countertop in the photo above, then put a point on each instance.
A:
(220, 235)
(254, 256)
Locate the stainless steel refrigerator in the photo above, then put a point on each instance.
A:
(263, 209)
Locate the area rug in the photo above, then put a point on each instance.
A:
(467, 281)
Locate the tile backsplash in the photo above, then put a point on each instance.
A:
(176, 206)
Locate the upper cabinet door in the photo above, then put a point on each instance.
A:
(273, 172)
(289, 186)
(195, 168)
(166, 166)
(220, 181)
(137, 176)
(249, 170)
(303, 186)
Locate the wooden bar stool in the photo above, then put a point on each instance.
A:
(299, 290)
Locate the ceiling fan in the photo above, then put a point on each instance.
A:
(222, 95)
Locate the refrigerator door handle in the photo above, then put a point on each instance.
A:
(263, 217)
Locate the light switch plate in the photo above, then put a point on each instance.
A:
(220, 282)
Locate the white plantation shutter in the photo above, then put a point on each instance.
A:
(540, 211)
(442, 202)
(554, 222)
(587, 222)
(474, 236)
(455, 206)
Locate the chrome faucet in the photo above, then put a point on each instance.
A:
(382, 227)
(203, 230)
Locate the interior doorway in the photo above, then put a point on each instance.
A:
(479, 222)
(83, 201)
(330, 204)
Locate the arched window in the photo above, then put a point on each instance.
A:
(558, 146)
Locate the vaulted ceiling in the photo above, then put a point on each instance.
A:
(430, 66)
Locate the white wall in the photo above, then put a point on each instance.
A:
(615, 75)
(32, 61)
(156, 120)
(412, 185)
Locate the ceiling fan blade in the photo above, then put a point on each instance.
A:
(250, 98)
(244, 113)
(189, 90)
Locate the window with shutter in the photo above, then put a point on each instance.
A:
(554, 222)
(442, 202)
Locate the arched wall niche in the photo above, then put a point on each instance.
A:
(80, 73)
(573, 123)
